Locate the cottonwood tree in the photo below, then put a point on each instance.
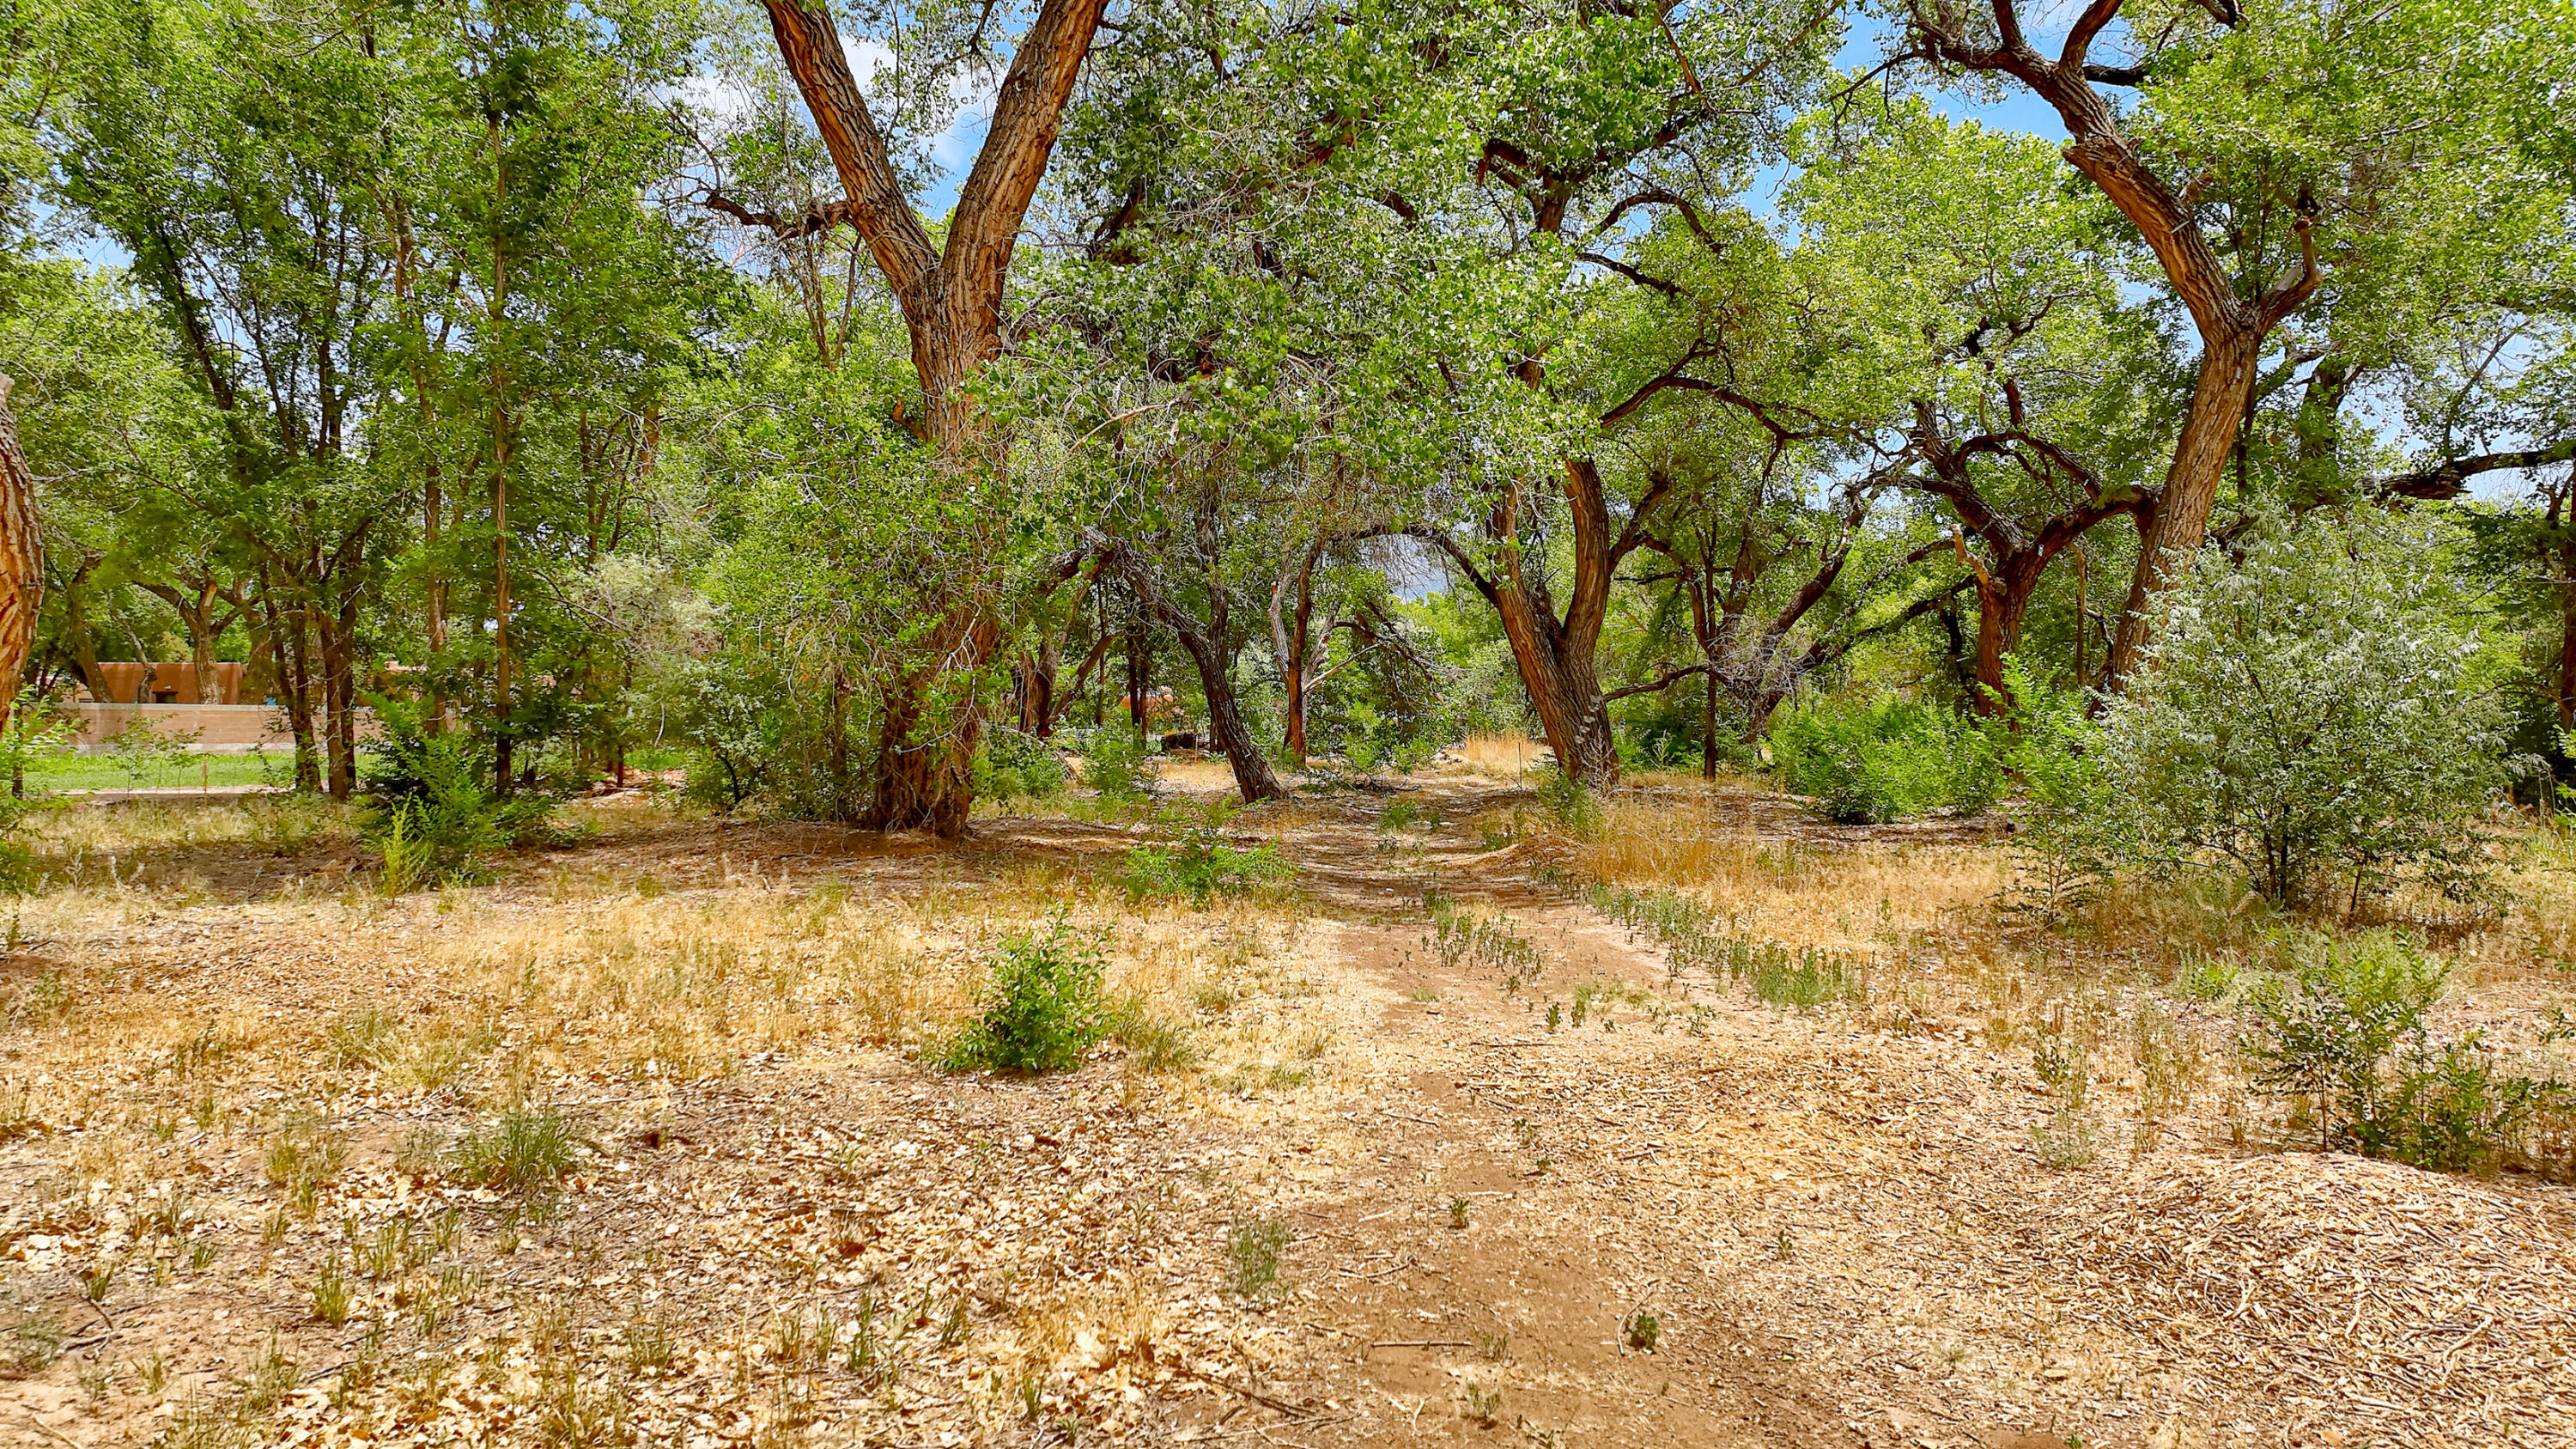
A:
(1497, 163)
(1980, 342)
(2260, 149)
(22, 563)
(239, 190)
(950, 294)
(1779, 529)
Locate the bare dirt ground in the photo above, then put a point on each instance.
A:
(1374, 1187)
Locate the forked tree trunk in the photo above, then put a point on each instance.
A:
(195, 606)
(1555, 655)
(2232, 327)
(951, 299)
(22, 557)
(287, 635)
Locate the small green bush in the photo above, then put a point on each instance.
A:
(1114, 766)
(1010, 765)
(1194, 859)
(430, 816)
(1257, 1244)
(1867, 764)
(1041, 1006)
(1576, 809)
(2342, 1025)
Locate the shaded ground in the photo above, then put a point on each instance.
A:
(1575, 1197)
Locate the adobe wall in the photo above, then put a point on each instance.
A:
(229, 729)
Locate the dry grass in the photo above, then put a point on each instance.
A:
(1503, 755)
(1782, 885)
(229, 1090)
(296, 1066)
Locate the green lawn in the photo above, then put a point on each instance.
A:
(91, 772)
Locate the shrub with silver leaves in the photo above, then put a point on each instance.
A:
(2308, 718)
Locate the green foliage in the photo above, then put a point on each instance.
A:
(1040, 1008)
(1890, 758)
(526, 1152)
(144, 750)
(430, 816)
(2309, 720)
(1114, 765)
(2342, 1026)
(2065, 847)
(1254, 1254)
(1193, 858)
(1010, 765)
(728, 710)
(1576, 809)
(1805, 979)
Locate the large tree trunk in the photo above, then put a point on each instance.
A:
(1555, 656)
(1252, 773)
(287, 635)
(22, 557)
(1564, 688)
(2175, 527)
(1290, 633)
(2003, 599)
(951, 298)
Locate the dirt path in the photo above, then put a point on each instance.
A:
(1622, 1227)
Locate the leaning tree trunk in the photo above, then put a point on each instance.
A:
(2175, 527)
(22, 557)
(1252, 773)
(1564, 688)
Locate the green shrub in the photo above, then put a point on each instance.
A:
(1193, 859)
(429, 814)
(1255, 1251)
(1576, 809)
(1040, 1008)
(1010, 765)
(525, 1152)
(2066, 844)
(2342, 1025)
(1114, 766)
(1893, 757)
(2309, 722)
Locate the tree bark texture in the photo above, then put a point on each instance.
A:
(1556, 654)
(22, 557)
